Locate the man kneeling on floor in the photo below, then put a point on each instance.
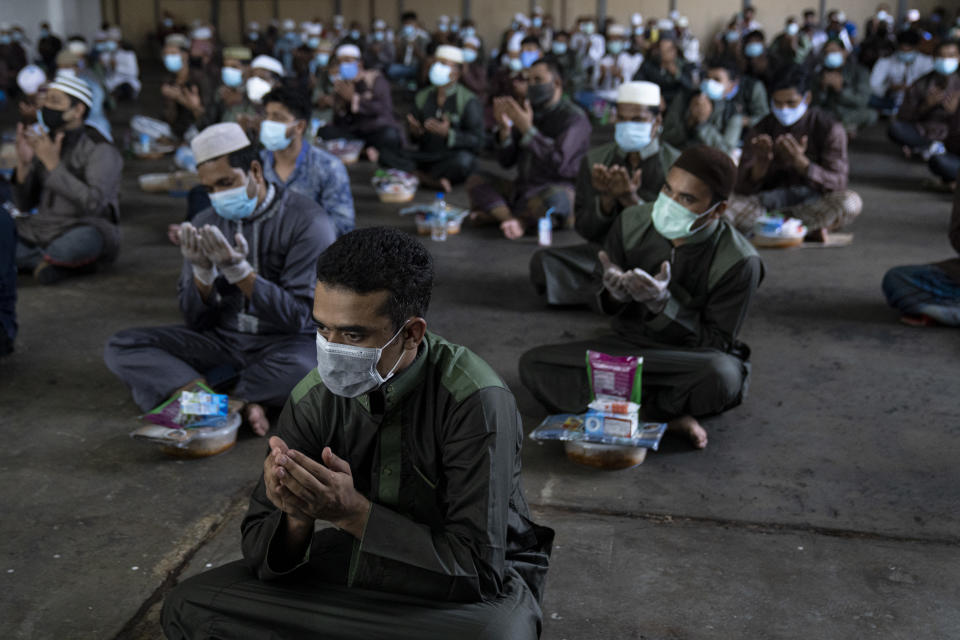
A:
(405, 449)
(245, 290)
(678, 279)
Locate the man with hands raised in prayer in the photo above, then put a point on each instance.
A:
(245, 290)
(409, 446)
(677, 279)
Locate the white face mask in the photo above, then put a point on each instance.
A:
(350, 371)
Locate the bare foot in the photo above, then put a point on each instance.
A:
(688, 426)
(445, 185)
(512, 229)
(173, 234)
(256, 417)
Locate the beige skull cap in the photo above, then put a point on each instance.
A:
(453, 54)
(645, 93)
(218, 140)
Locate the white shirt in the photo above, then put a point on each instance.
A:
(891, 70)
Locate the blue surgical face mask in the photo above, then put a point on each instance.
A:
(469, 55)
(732, 36)
(173, 62)
(537, 22)
(633, 136)
(753, 49)
(833, 60)
(527, 58)
(378, 36)
(674, 221)
(273, 135)
(254, 36)
(468, 32)
(349, 70)
(350, 371)
(313, 42)
(408, 30)
(615, 46)
(587, 28)
(231, 76)
(793, 29)
(514, 64)
(787, 116)
(355, 34)
(440, 74)
(443, 27)
(4, 39)
(44, 33)
(907, 56)
(945, 66)
(322, 58)
(559, 48)
(234, 204)
(712, 89)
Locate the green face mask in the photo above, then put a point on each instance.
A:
(674, 221)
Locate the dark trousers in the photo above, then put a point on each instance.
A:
(907, 134)
(675, 382)
(564, 276)
(230, 602)
(8, 282)
(75, 248)
(155, 361)
(454, 165)
(923, 289)
(946, 166)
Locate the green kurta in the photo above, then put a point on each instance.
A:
(850, 104)
(721, 130)
(437, 451)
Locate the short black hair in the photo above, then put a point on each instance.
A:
(908, 37)
(727, 64)
(754, 35)
(294, 99)
(531, 40)
(243, 158)
(408, 15)
(381, 259)
(553, 65)
(946, 43)
(557, 34)
(791, 76)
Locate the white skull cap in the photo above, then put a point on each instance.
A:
(348, 51)
(268, 63)
(453, 54)
(645, 93)
(30, 79)
(636, 20)
(218, 140)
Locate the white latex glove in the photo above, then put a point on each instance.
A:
(203, 268)
(649, 290)
(613, 279)
(232, 261)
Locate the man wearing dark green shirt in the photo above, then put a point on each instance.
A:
(409, 446)
(677, 279)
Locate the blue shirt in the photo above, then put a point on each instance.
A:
(320, 176)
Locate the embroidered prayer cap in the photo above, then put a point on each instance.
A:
(218, 140)
(73, 86)
(617, 31)
(452, 54)
(268, 63)
(645, 93)
(348, 51)
(30, 79)
(177, 40)
(683, 22)
(711, 166)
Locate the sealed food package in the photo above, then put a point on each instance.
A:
(614, 406)
(622, 425)
(614, 377)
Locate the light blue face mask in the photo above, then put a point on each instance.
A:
(615, 46)
(793, 29)
(559, 48)
(587, 28)
(440, 74)
(469, 55)
(4, 39)
(408, 31)
(527, 58)
(674, 221)
(907, 56)
(355, 34)
(322, 59)
(378, 36)
(787, 116)
(633, 136)
(753, 49)
(349, 70)
(946, 66)
(273, 135)
(234, 204)
(712, 89)
(173, 62)
(537, 22)
(254, 36)
(468, 32)
(833, 60)
(231, 76)
(732, 36)
(313, 42)
(514, 64)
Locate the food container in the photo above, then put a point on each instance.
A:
(201, 442)
(425, 224)
(347, 150)
(394, 186)
(176, 183)
(777, 233)
(608, 457)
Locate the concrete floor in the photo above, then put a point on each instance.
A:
(826, 506)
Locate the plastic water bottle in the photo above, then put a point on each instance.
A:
(545, 229)
(438, 220)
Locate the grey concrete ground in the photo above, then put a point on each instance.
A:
(826, 506)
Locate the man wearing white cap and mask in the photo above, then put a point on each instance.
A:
(288, 41)
(381, 51)
(446, 123)
(246, 288)
(71, 173)
(362, 104)
(612, 177)
(265, 74)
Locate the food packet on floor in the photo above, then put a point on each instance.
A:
(614, 377)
